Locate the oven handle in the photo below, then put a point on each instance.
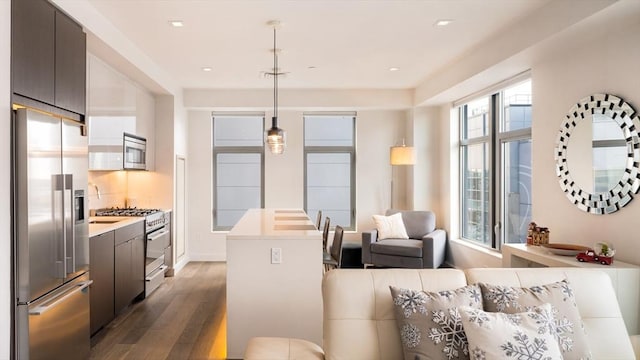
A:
(157, 234)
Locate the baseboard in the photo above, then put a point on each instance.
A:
(179, 265)
(208, 257)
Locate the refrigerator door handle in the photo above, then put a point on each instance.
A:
(69, 233)
(39, 310)
(58, 218)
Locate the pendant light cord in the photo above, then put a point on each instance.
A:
(275, 75)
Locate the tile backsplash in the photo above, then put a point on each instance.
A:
(112, 186)
(123, 189)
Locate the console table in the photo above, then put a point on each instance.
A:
(624, 277)
(274, 278)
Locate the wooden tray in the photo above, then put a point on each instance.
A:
(565, 249)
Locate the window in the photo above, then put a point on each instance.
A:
(238, 165)
(495, 158)
(329, 167)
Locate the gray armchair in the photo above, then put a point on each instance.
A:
(425, 247)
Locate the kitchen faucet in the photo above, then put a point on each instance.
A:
(97, 190)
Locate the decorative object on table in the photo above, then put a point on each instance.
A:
(602, 253)
(537, 235)
(596, 123)
(604, 249)
(565, 249)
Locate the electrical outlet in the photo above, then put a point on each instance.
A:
(276, 255)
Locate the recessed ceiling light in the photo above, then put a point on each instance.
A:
(207, 69)
(394, 69)
(176, 23)
(311, 67)
(443, 22)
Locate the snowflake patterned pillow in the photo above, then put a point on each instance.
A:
(570, 333)
(498, 336)
(429, 322)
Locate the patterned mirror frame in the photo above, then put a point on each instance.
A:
(622, 193)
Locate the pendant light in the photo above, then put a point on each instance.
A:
(275, 137)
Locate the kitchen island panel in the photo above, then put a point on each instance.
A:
(272, 299)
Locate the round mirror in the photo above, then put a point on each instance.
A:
(597, 154)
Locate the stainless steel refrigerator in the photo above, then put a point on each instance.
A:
(50, 232)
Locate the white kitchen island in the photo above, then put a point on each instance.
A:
(271, 294)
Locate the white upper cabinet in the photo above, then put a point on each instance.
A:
(116, 105)
(146, 123)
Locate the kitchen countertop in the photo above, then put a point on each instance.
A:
(268, 224)
(115, 222)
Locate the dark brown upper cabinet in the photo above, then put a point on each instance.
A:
(71, 63)
(33, 49)
(48, 56)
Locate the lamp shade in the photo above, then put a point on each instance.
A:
(276, 138)
(402, 155)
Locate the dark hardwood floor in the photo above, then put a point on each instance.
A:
(185, 318)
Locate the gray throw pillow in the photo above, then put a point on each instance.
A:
(570, 332)
(430, 324)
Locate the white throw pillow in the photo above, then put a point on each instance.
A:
(570, 331)
(390, 227)
(498, 336)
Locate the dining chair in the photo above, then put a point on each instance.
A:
(318, 219)
(325, 233)
(335, 255)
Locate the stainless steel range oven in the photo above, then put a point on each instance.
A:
(158, 235)
(158, 239)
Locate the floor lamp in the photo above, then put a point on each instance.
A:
(400, 155)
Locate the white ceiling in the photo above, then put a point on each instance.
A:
(352, 43)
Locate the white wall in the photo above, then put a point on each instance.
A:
(203, 244)
(426, 182)
(593, 56)
(376, 131)
(283, 175)
(180, 149)
(603, 61)
(5, 187)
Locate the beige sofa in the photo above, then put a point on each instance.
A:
(359, 321)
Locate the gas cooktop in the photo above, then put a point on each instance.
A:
(125, 212)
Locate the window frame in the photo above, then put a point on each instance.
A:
(216, 150)
(495, 139)
(481, 140)
(351, 150)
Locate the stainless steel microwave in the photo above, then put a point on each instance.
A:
(134, 152)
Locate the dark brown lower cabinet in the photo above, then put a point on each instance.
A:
(129, 265)
(101, 271)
